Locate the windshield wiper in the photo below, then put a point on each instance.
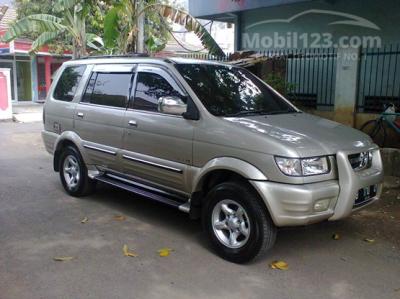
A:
(261, 112)
(248, 112)
(282, 112)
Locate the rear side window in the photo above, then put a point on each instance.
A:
(108, 89)
(68, 83)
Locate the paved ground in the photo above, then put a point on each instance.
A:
(38, 221)
(26, 112)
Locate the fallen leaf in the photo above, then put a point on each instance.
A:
(164, 251)
(126, 251)
(369, 240)
(279, 265)
(84, 220)
(119, 218)
(63, 258)
(335, 236)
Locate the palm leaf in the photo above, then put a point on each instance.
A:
(34, 23)
(94, 41)
(62, 5)
(111, 32)
(191, 24)
(45, 18)
(43, 39)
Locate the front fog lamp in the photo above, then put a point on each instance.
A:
(321, 205)
(303, 167)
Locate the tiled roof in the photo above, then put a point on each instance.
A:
(7, 15)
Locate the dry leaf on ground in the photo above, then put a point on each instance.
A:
(369, 240)
(164, 251)
(63, 258)
(119, 218)
(84, 220)
(335, 236)
(126, 251)
(279, 265)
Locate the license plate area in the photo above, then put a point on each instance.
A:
(365, 195)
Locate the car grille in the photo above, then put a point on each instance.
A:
(360, 161)
(365, 195)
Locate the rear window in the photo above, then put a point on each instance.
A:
(68, 83)
(108, 89)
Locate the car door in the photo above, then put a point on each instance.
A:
(100, 114)
(157, 147)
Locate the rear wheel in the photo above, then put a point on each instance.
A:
(376, 130)
(73, 173)
(237, 223)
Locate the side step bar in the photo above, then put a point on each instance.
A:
(146, 191)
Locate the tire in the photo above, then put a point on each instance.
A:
(81, 184)
(255, 220)
(376, 130)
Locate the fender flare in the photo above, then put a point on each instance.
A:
(73, 138)
(243, 168)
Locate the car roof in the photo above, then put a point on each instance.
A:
(130, 59)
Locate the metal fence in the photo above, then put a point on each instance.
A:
(309, 74)
(312, 75)
(379, 78)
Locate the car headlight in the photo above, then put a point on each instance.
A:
(304, 166)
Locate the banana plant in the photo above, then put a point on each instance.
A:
(120, 25)
(50, 27)
(191, 24)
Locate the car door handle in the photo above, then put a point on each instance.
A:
(132, 123)
(80, 114)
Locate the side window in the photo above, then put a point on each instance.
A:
(149, 88)
(68, 83)
(108, 89)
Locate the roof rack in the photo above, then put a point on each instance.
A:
(115, 56)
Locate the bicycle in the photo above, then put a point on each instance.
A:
(376, 128)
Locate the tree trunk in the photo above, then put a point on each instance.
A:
(79, 45)
(140, 26)
(74, 50)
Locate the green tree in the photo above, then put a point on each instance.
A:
(69, 21)
(121, 29)
(27, 7)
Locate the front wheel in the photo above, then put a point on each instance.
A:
(237, 223)
(376, 130)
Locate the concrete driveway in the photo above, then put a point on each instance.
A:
(38, 222)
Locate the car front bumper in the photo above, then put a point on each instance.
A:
(291, 205)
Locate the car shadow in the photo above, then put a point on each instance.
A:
(147, 211)
(289, 240)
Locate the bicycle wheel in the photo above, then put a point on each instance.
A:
(376, 130)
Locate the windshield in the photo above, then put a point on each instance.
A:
(232, 91)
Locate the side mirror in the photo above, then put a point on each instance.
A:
(171, 105)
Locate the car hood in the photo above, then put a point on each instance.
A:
(307, 134)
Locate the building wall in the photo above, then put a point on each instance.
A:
(384, 14)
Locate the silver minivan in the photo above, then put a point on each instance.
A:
(210, 139)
